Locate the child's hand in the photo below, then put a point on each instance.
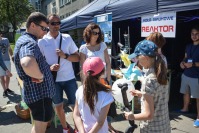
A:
(129, 115)
(136, 93)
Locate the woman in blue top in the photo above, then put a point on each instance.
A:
(7, 72)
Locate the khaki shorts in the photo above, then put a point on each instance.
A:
(190, 86)
(8, 65)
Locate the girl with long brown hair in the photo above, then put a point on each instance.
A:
(93, 99)
(154, 114)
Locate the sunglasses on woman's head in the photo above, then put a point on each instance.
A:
(96, 33)
(55, 23)
(42, 27)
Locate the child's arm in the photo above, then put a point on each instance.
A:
(77, 119)
(145, 115)
(101, 119)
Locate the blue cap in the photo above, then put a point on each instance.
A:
(144, 47)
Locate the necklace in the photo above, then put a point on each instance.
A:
(93, 48)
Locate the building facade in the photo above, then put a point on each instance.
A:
(63, 8)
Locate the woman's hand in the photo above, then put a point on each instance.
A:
(8, 73)
(136, 93)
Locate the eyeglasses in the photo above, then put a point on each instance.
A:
(42, 27)
(96, 33)
(55, 23)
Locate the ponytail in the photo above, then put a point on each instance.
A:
(160, 70)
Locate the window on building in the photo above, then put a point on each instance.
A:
(90, 1)
(54, 4)
(61, 2)
(67, 1)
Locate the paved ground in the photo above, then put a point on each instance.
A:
(11, 123)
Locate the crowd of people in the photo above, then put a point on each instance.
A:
(43, 59)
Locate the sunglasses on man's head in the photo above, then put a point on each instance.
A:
(42, 27)
(96, 33)
(55, 23)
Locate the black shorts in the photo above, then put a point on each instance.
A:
(42, 110)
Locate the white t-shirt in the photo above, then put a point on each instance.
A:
(100, 53)
(89, 120)
(48, 46)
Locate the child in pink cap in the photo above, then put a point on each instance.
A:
(93, 99)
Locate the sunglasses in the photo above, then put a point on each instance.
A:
(96, 33)
(55, 23)
(42, 27)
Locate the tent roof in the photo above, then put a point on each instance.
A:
(123, 10)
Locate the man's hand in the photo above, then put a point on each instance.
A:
(37, 80)
(54, 67)
(182, 65)
(188, 65)
(60, 53)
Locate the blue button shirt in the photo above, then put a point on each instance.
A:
(27, 45)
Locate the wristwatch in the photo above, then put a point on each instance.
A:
(66, 56)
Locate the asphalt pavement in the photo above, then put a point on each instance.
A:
(11, 123)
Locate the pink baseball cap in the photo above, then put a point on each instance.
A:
(94, 64)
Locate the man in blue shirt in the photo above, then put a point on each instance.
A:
(190, 77)
(33, 69)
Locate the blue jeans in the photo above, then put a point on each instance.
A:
(69, 87)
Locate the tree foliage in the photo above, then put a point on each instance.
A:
(14, 12)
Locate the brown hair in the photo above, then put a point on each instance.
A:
(53, 15)
(160, 69)
(91, 87)
(88, 32)
(157, 38)
(36, 17)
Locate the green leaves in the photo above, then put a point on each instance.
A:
(14, 12)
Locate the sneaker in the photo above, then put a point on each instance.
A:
(182, 112)
(75, 131)
(67, 130)
(5, 93)
(9, 91)
(196, 123)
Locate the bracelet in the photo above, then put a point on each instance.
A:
(66, 56)
(41, 78)
(193, 64)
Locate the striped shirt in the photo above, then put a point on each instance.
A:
(26, 45)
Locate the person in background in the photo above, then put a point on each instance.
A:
(32, 68)
(190, 76)
(68, 53)
(8, 73)
(154, 116)
(95, 47)
(6, 54)
(159, 40)
(93, 99)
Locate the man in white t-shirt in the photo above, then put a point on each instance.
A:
(68, 53)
